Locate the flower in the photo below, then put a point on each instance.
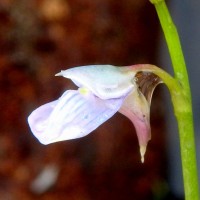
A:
(103, 91)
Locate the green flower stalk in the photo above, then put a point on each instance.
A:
(181, 100)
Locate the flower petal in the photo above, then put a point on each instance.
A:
(137, 109)
(105, 81)
(38, 119)
(72, 116)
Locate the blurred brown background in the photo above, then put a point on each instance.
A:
(38, 38)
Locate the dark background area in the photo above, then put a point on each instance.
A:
(38, 38)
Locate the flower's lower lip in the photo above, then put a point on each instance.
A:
(45, 139)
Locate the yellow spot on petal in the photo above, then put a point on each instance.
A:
(142, 152)
(83, 91)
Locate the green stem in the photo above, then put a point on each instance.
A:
(173, 43)
(182, 102)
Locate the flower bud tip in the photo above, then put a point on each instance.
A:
(59, 74)
(142, 152)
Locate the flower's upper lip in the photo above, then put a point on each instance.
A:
(106, 82)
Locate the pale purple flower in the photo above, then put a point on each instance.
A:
(103, 91)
